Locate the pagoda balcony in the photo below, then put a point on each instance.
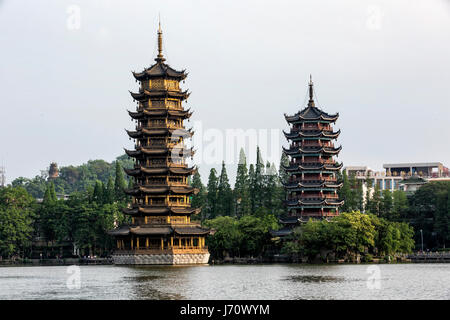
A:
(165, 250)
(159, 126)
(314, 196)
(312, 127)
(312, 162)
(313, 181)
(318, 143)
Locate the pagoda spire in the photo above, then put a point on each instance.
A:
(160, 57)
(311, 92)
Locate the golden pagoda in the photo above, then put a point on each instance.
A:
(161, 231)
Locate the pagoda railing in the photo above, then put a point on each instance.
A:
(165, 250)
(314, 162)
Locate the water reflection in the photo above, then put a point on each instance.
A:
(402, 281)
(313, 278)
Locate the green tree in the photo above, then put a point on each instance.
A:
(252, 187)
(375, 201)
(386, 204)
(258, 180)
(242, 186)
(345, 192)
(16, 218)
(199, 199)
(399, 205)
(226, 239)
(224, 194)
(212, 189)
(109, 192)
(119, 183)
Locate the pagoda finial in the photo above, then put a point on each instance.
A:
(160, 56)
(311, 92)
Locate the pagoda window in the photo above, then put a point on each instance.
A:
(172, 84)
(156, 103)
(157, 84)
(173, 104)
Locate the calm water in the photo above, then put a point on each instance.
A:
(277, 281)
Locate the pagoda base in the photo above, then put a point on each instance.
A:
(164, 259)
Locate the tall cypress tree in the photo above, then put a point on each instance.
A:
(375, 201)
(386, 204)
(211, 188)
(49, 195)
(369, 183)
(272, 189)
(199, 199)
(242, 187)
(224, 194)
(119, 183)
(252, 188)
(97, 195)
(345, 192)
(109, 194)
(259, 179)
(359, 197)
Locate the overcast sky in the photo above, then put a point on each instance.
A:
(383, 65)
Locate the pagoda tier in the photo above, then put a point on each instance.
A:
(161, 231)
(312, 186)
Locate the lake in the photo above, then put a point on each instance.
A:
(272, 281)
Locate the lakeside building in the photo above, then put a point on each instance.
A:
(313, 185)
(161, 231)
(407, 177)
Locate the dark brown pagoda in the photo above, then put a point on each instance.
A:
(313, 185)
(161, 231)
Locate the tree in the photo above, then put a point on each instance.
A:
(212, 188)
(109, 193)
(375, 201)
(242, 186)
(386, 204)
(399, 205)
(98, 195)
(258, 179)
(16, 218)
(369, 185)
(345, 192)
(252, 187)
(224, 194)
(199, 199)
(119, 183)
(226, 239)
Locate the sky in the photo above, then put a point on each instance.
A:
(65, 73)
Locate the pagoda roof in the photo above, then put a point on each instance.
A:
(316, 134)
(303, 202)
(178, 132)
(309, 167)
(160, 70)
(150, 230)
(146, 94)
(159, 210)
(160, 112)
(121, 231)
(299, 150)
(160, 151)
(289, 220)
(311, 113)
(323, 184)
(194, 230)
(161, 170)
(161, 189)
(282, 232)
